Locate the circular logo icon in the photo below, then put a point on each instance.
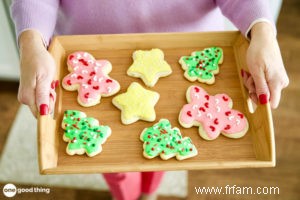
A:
(9, 190)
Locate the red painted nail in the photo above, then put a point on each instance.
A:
(242, 72)
(56, 83)
(44, 109)
(263, 98)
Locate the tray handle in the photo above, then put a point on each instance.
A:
(47, 143)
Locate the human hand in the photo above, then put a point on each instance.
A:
(267, 75)
(36, 88)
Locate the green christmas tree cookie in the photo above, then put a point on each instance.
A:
(83, 133)
(202, 65)
(161, 139)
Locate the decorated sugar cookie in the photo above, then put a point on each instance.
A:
(83, 134)
(137, 103)
(161, 139)
(90, 78)
(202, 65)
(213, 115)
(149, 66)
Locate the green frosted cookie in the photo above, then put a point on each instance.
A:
(161, 139)
(83, 133)
(202, 65)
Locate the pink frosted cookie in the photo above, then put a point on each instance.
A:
(213, 115)
(90, 78)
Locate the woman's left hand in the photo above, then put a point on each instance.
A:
(267, 75)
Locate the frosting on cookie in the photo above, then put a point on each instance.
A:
(137, 103)
(90, 78)
(212, 113)
(84, 134)
(202, 65)
(149, 66)
(161, 139)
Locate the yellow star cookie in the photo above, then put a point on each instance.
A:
(136, 103)
(149, 66)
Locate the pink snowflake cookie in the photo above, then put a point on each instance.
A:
(90, 77)
(213, 115)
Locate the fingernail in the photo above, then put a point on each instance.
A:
(44, 109)
(51, 96)
(54, 84)
(242, 72)
(263, 99)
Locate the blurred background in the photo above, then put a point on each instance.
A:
(18, 156)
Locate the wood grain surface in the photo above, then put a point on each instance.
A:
(123, 149)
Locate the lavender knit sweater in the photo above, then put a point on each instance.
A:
(51, 17)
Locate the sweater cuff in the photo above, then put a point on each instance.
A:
(37, 15)
(247, 33)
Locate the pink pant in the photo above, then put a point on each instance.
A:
(129, 186)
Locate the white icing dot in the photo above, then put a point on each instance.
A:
(195, 106)
(197, 95)
(231, 117)
(98, 64)
(74, 75)
(75, 68)
(75, 61)
(95, 68)
(109, 89)
(199, 113)
(100, 79)
(238, 121)
(218, 109)
(209, 115)
(155, 127)
(85, 86)
(78, 56)
(85, 54)
(89, 99)
(84, 71)
(91, 61)
(95, 78)
(217, 101)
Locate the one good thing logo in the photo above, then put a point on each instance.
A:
(9, 190)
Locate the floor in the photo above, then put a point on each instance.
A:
(285, 176)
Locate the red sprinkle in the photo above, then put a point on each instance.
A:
(87, 95)
(108, 81)
(227, 127)
(206, 104)
(92, 73)
(89, 81)
(96, 87)
(189, 113)
(79, 77)
(71, 57)
(83, 62)
(196, 89)
(207, 97)
(179, 142)
(191, 149)
(152, 149)
(227, 113)
(212, 128)
(149, 136)
(225, 98)
(241, 115)
(202, 109)
(69, 82)
(216, 121)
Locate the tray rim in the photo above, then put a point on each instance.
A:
(48, 159)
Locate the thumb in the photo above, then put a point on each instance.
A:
(262, 89)
(42, 95)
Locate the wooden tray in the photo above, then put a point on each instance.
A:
(123, 149)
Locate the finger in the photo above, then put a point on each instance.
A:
(42, 95)
(33, 110)
(261, 86)
(275, 94)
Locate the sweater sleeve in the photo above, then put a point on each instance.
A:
(39, 15)
(245, 13)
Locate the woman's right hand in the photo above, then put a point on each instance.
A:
(37, 73)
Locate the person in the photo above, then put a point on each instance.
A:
(37, 21)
